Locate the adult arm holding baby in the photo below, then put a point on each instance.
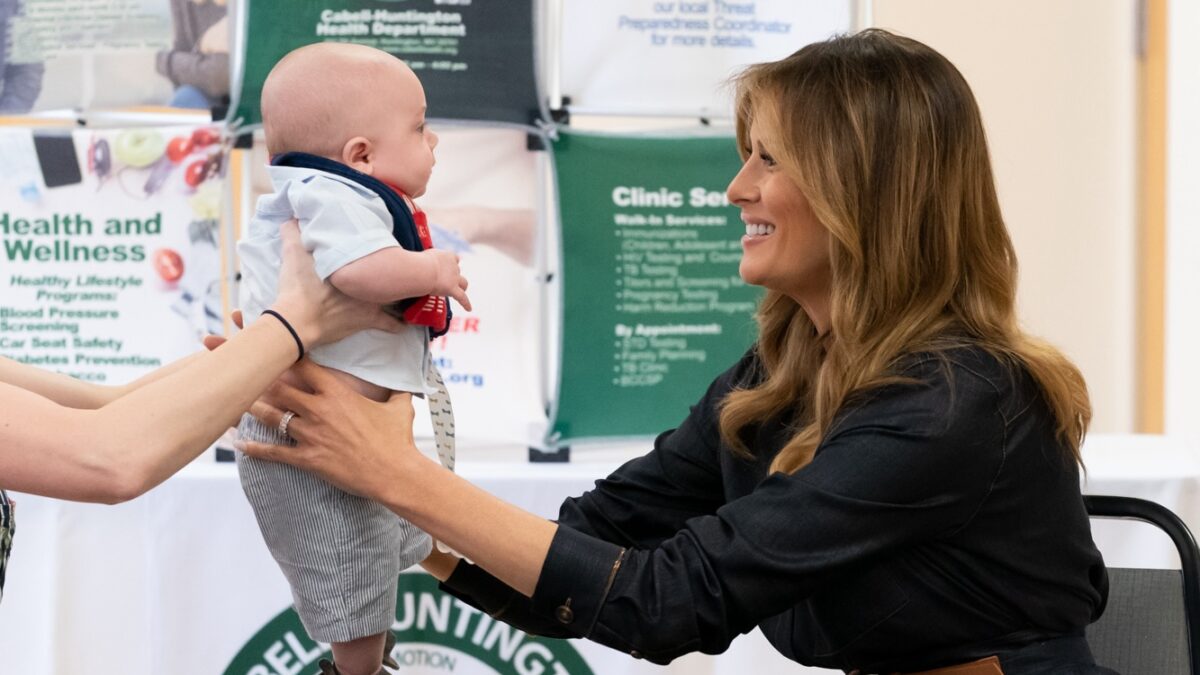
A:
(71, 440)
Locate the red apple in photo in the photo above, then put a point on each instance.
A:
(169, 264)
(195, 173)
(204, 136)
(178, 148)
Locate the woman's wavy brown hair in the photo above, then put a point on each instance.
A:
(884, 138)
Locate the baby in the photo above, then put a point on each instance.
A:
(345, 127)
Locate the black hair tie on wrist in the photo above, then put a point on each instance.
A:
(295, 335)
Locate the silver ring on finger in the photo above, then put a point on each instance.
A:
(284, 421)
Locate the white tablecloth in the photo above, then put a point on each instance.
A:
(177, 581)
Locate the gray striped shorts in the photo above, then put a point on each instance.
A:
(341, 554)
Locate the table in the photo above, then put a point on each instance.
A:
(178, 581)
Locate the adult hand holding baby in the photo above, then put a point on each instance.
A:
(328, 416)
(362, 446)
(304, 298)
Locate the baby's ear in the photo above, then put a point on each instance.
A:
(357, 154)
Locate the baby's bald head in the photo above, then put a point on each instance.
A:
(320, 95)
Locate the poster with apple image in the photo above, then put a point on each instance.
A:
(111, 244)
(653, 57)
(95, 54)
(475, 59)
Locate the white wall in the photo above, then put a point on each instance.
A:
(1182, 356)
(1056, 82)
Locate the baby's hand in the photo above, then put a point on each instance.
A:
(448, 279)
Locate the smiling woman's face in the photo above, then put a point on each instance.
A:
(785, 248)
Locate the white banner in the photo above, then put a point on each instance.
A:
(482, 203)
(675, 56)
(110, 242)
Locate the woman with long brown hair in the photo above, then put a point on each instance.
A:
(887, 482)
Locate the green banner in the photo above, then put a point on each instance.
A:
(475, 59)
(653, 307)
(434, 632)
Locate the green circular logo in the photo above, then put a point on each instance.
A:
(435, 633)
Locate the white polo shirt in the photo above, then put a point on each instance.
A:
(340, 222)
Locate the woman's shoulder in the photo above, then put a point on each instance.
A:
(967, 362)
(948, 389)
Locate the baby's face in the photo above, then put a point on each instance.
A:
(404, 144)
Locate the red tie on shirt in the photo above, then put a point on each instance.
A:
(429, 310)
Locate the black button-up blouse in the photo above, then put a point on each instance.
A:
(939, 521)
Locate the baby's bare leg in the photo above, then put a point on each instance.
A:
(363, 656)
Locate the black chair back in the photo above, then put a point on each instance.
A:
(1151, 625)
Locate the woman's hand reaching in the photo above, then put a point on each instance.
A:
(361, 446)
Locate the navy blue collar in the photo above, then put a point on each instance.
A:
(403, 227)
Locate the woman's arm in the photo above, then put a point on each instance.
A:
(645, 501)
(132, 443)
(62, 389)
(72, 393)
(509, 231)
(871, 491)
(119, 451)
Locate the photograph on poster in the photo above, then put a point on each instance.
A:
(113, 54)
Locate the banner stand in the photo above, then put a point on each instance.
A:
(558, 454)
